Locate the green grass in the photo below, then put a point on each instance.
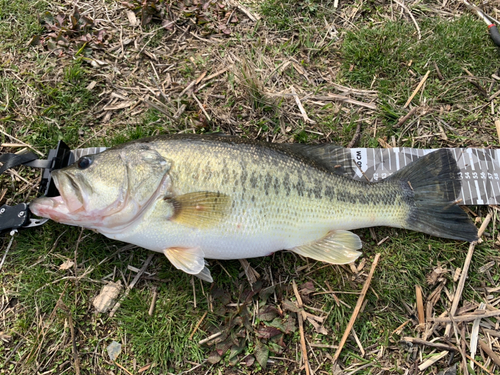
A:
(19, 22)
(391, 59)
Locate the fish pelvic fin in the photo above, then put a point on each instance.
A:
(205, 275)
(431, 186)
(201, 209)
(337, 247)
(189, 260)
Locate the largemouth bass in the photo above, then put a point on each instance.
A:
(194, 197)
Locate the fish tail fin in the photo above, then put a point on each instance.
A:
(431, 187)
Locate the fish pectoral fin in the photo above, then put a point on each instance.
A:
(200, 209)
(188, 259)
(337, 247)
(205, 275)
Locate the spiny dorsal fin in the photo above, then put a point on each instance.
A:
(337, 247)
(201, 209)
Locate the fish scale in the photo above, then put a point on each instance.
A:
(194, 197)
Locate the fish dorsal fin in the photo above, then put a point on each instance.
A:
(333, 158)
(188, 259)
(337, 247)
(201, 209)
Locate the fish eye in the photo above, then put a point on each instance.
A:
(84, 162)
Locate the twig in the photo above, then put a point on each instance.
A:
(250, 273)
(420, 304)
(132, 284)
(201, 107)
(8, 247)
(494, 356)
(355, 138)
(430, 361)
(187, 88)
(216, 74)
(497, 125)
(21, 142)
(197, 325)
(437, 345)
(161, 109)
(466, 317)
(153, 301)
(301, 327)
(253, 17)
(345, 99)
(480, 365)
(422, 81)
(463, 276)
(412, 18)
(357, 308)
(438, 72)
(301, 108)
(210, 338)
(123, 368)
(403, 119)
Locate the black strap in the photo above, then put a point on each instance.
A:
(29, 159)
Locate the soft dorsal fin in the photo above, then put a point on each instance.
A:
(333, 158)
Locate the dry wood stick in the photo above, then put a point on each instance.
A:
(357, 308)
(197, 325)
(494, 356)
(209, 338)
(357, 135)
(420, 304)
(465, 269)
(467, 318)
(301, 108)
(153, 301)
(403, 119)
(132, 284)
(497, 125)
(76, 358)
(437, 345)
(417, 89)
(123, 368)
(480, 365)
(301, 327)
(201, 107)
(21, 142)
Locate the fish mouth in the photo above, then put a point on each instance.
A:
(60, 208)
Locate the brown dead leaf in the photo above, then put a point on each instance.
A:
(121, 105)
(320, 328)
(268, 332)
(5, 337)
(107, 296)
(436, 273)
(132, 18)
(66, 265)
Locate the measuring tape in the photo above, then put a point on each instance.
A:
(479, 169)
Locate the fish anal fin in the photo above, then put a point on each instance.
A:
(337, 247)
(188, 259)
(200, 209)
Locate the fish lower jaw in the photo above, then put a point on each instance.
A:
(53, 208)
